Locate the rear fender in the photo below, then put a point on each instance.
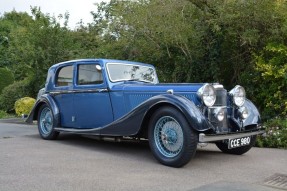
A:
(45, 99)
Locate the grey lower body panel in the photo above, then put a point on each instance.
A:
(204, 138)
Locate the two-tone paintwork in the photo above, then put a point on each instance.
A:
(124, 108)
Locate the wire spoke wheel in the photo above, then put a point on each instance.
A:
(46, 123)
(171, 139)
(168, 136)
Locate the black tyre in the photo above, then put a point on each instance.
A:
(46, 126)
(171, 139)
(223, 146)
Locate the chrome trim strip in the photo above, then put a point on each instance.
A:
(203, 138)
(78, 91)
(73, 130)
(217, 86)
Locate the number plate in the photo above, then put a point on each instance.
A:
(239, 142)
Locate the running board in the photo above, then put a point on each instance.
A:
(93, 131)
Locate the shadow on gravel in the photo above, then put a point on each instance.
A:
(15, 121)
(128, 148)
(134, 149)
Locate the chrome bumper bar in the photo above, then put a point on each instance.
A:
(203, 138)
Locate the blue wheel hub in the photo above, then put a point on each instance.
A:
(171, 136)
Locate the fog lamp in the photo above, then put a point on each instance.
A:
(243, 112)
(219, 114)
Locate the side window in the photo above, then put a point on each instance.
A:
(89, 74)
(65, 76)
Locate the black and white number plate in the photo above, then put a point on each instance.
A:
(238, 142)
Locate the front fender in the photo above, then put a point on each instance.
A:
(254, 116)
(44, 99)
(137, 120)
(253, 119)
(191, 112)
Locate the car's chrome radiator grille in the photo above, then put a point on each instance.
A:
(221, 95)
(221, 102)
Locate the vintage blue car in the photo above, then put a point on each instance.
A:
(122, 99)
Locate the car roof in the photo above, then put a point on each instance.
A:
(102, 61)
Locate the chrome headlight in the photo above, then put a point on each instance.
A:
(207, 94)
(238, 95)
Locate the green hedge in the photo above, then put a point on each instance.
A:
(11, 94)
(276, 134)
(6, 78)
(271, 83)
(3, 114)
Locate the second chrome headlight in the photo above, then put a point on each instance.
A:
(207, 94)
(238, 95)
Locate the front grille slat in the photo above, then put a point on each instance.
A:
(221, 95)
(221, 101)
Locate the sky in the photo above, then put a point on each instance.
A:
(78, 9)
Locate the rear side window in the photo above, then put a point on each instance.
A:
(65, 76)
(89, 74)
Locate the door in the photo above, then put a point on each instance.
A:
(63, 94)
(92, 105)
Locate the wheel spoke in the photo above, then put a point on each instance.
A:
(46, 121)
(168, 136)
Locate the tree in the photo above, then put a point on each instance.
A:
(35, 43)
(6, 78)
(192, 40)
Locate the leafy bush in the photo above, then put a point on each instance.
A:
(24, 105)
(271, 83)
(3, 114)
(12, 93)
(6, 78)
(276, 134)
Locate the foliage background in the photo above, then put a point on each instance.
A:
(227, 41)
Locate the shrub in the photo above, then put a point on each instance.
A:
(271, 83)
(276, 134)
(3, 114)
(24, 105)
(6, 78)
(11, 94)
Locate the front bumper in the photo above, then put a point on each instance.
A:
(203, 138)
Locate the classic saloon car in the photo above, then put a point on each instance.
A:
(124, 99)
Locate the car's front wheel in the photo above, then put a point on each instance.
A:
(46, 124)
(171, 139)
(223, 146)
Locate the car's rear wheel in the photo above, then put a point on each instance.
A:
(223, 146)
(46, 126)
(171, 139)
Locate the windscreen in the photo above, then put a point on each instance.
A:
(129, 72)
